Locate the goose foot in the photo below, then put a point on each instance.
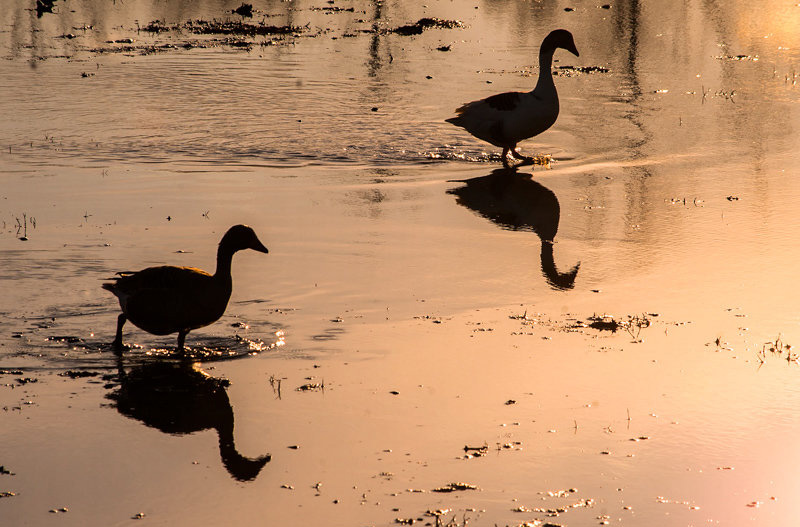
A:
(117, 345)
(525, 159)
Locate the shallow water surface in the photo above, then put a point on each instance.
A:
(605, 339)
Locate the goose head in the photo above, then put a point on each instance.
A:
(560, 38)
(241, 237)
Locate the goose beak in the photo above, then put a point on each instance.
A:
(258, 246)
(572, 49)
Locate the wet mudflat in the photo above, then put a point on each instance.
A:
(611, 338)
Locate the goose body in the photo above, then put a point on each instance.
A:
(167, 299)
(507, 118)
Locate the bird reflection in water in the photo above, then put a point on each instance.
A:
(180, 398)
(515, 201)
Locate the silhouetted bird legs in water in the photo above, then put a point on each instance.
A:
(119, 347)
(117, 344)
(181, 339)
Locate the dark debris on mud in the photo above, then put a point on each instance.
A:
(228, 33)
(453, 487)
(311, 387)
(632, 324)
(426, 23)
(78, 374)
(571, 71)
(244, 10)
(775, 348)
(224, 27)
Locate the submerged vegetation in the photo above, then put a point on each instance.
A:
(426, 23)
(223, 27)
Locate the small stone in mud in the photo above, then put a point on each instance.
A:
(294, 447)
(85, 74)
(606, 6)
(138, 516)
(74, 374)
(443, 48)
(6, 494)
(374, 108)
(569, 9)
(26, 380)
(511, 401)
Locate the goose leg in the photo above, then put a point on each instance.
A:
(181, 339)
(117, 344)
(505, 156)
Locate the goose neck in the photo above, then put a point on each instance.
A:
(545, 81)
(224, 259)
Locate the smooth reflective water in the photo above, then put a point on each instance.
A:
(413, 290)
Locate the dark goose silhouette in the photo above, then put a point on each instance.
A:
(180, 398)
(167, 299)
(515, 201)
(506, 119)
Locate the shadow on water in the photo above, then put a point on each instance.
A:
(515, 201)
(180, 398)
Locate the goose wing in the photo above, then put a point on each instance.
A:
(486, 118)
